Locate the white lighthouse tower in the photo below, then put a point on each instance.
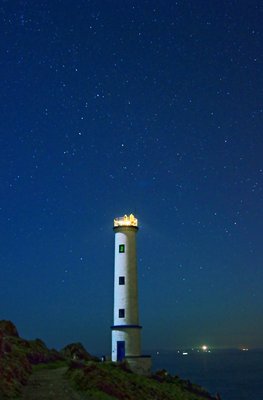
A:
(126, 329)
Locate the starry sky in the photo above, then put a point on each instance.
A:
(117, 106)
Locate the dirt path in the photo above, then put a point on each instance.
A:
(50, 384)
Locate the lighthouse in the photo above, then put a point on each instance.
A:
(126, 329)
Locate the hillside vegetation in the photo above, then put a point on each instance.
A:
(17, 357)
(114, 381)
(20, 359)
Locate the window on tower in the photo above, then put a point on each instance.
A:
(121, 280)
(121, 313)
(121, 248)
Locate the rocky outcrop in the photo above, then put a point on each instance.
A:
(39, 353)
(76, 351)
(7, 328)
(14, 364)
(17, 357)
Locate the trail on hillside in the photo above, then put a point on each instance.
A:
(50, 384)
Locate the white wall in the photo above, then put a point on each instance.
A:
(126, 296)
(125, 264)
(131, 336)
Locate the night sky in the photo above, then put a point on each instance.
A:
(150, 107)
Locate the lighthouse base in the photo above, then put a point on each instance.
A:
(126, 342)
(141, 365)
(126, 346)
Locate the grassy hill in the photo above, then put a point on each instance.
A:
(19, 358)
(110, 381)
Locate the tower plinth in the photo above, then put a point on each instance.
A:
(126, 329)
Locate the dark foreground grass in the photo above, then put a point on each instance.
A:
(105, 381)
(51, 365)
(109, 381)
(18, 357)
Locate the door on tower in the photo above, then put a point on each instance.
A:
(120, 350)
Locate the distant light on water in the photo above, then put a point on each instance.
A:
(222, 371)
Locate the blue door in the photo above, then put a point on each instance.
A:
(120, 350)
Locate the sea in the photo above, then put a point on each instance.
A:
(234, 374)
